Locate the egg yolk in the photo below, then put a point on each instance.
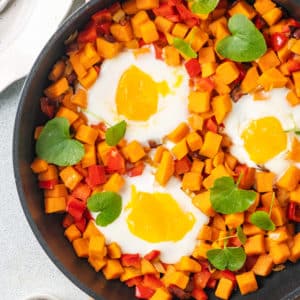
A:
(157, 217)
(137, 94)
(263, 139)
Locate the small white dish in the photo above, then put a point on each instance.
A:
(25, 27)
(41, 297)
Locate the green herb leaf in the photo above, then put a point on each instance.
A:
(227, 198)
(204, 6)
(56, 146)
(109, 204)
(184, 47)
(231, 258)
(297, 132)
(241, 235)
(262, 220)
(245, 44)
(115, 133)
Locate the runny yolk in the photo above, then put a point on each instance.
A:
(157, 217)
(263, 139)
(137, 94)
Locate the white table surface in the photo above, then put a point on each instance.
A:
(25, 269)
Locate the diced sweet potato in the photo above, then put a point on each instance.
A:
(247, 282)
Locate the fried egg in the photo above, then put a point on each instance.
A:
(142, 90)
(155, 218)
(262, 132)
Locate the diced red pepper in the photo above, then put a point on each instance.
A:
(88, 215)
(158, 51)
(200, 279)
(294, 23)
(164, 10)
(259, 22)
(248, 178)
(131, 260)
(212, 283)
(88, 34)
(191, 22)
(278, 40)
(229, 275)
(152, 255)
(152, 281)
(68, 220)
(204, 84)
(293, 65)
(242, 74)
(199, 294)
(82, 191)
(136, 170)
(97, 69)
(96, 176)
(250, 262)
(193, 67)
(142, 292)
(234, 242)
(47, 107)
(103, 28)
(115, 162)
(75, 208)
(173, 18)
(185, 13)
(81, 224)
(48, 184)
(114, 7)
(294, 212)
(182, 166)
(102, 16)
(211, 125)
(82, 171)
(134, 281)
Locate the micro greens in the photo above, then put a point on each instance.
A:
(241, 235)
(115, 133)
(204, 6)
(56, 146)
(108, 204)
(184, 47)
(245, 44)
(227, 198)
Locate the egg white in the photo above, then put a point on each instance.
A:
(172, 109)
(246, 110)
(171, 252)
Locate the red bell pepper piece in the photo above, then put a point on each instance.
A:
(234, 242)
(75, 208)
(164, 10)
(103, 28)
(204, 84)
(199, 294)
(293, 65)
(96, 176)
(88, 215)
(294, 23)
(142, 292)
(114, 7)
(134, 281)
(211, 125)
(193, 67)
(67, 221)
(48, 184)
(131, 260)
(191, 22)
(278, 40)
(173, 18)
(212, 283)
(185, 13)
(242, 74)
(182, 166)
(200, 279)
(88, 34)
(158, 51)
(250, 262)
(81, 224)
(229, 275)
(294, 212)
(82, 191)
(102, 16)
(47, 107)
(248, 178)
(136, 170)
(152, 281)
(152, 255)
(259, 22)
(82, 171)
(115, 162)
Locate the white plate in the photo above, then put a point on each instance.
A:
(25, 27)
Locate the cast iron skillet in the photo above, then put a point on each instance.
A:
(48, 229)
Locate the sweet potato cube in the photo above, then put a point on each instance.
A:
(55, 204)
(136, 21)
(234, 220)
(187, 264)
(201, 250)
(96, 246)
(272, 16)
(81, 247)
(161, 294)
(97, 263)
(129, 273)
(290, 179)
(292, 98)
(172, 56)
(279, 252)
(196, 121)
(180, 30)
(134, 151)
(165, 169)
(89, 79)
(211, 144)
(197, 166)
(86, 134)
(250, 229)
(197, 38)
(272, 78)
(242, 7)
(70, 115)
(177, 278)
(206, 55)
(249, 83)
(264, 181)
(180, 149)
(148, 32)
(247, 282)
(205, 233)
(221, 107)
(192, 181)
(158, 154)
(178, 133)
(70, 177)
(72, 233)
(113, 269)
(122, 33)
(88, 56)
(296, 78)
(278, 216)
(147, 267)
(224, 288)
(147, 4)
(39, 165)
(59, 190)
(163, 24)
(57, 88)
(202, 201)
(114, 251)
(114, 183)
(91, 230)
(129, 7)
(199, 102)
(263, 265)
(255, 245)
(107, 49)
(268, 60)
(89, 158)
(194, 141)
(227, 72)
(295, 249)
(263, 6)
(208, 69)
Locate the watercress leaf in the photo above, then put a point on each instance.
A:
(297, 132)
(184, 47)
(56, 146)
(227, 198)
(204, 6)
(218, 258)
(262, 220)
(236, 257)
(241, 235)
(115, 133)
(108, 204)
(245, 44)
